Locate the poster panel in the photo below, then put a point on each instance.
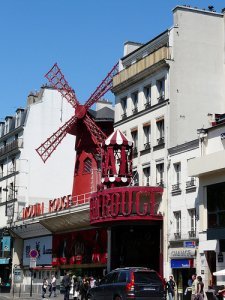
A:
(44, 247)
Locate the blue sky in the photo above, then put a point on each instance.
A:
(85, 37)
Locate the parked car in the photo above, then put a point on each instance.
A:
(136, 283)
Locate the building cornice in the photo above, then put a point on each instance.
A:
(194, 144)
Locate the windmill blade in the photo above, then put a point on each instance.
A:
(96, 133)
(58, 81)
(105, 85)
(46, 149)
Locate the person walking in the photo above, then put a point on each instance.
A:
(200, 288)
(44, 287)
(52, 287)
(84, 289)
(66, 281)
(194, 289)
(171, 287)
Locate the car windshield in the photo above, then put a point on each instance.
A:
(146, 277)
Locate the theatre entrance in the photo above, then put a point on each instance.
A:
(137, 245)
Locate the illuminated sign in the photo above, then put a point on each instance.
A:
(123, 203)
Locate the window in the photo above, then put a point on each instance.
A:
(124, 107)
(160, 84)
(160, 131)
(18, 118)
(216, 205)
(147, 129)
(1, 170)
(177, 217)
(87, 165)
(176, 176)
(122, 276)
(147, 93)
(11, 191)
(1, 129)
(146, 175)
(134, 135)
(159, 173)
(192, 217)
(134, 97)
(12, 167)
(135, 177)
(7, 124)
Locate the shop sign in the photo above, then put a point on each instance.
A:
(6, 243)
(182, 252)
(189, 244)
(4, 261)
(125, 203)
(56, 204)
(181, 263)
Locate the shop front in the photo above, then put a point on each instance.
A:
(183, 265)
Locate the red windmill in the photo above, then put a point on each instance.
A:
(89, 136)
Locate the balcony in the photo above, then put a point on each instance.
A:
(136, 70)
(147, 146)
(11, 146)
(192, 233)
(177, 235)
(160, 141)
(160, 183)
(161, 97)
(176, 190)
(135, 151)
(135, 110)
(124, 116)
(191, 185)
(148, 104)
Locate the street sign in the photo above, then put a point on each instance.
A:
(33, 262)
(18, 276)
(33, 253)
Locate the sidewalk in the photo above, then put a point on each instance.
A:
(9, 296)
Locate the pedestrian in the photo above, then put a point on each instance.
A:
(194, 287)
(84, 289)
(76, 287)
(200, 288)
(171, 287)
(52, 287)
(44, 287)
(66, 281)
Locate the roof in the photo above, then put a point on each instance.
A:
(104, 113)
(117, 138)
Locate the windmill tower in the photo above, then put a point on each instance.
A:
(89, 135)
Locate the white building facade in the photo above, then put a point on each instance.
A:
(164, 92)
(24, 178)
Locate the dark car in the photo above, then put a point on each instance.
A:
(129, 283)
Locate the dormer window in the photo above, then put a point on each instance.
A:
(19, 114)
(2, 128)
(8, 121)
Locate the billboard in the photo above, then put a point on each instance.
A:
(44, 247)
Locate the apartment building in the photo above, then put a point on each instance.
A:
(24, 178)
(164, 91)
(209, 169)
